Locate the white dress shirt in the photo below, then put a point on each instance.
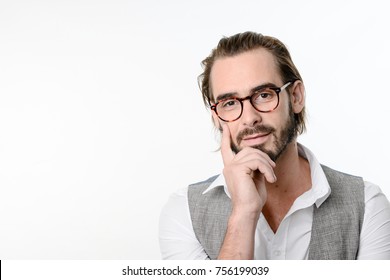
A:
(292, 238)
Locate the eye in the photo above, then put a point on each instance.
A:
(229, 104)
(264, 95)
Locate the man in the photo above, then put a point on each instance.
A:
(273, 199)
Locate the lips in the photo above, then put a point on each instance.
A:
(254, 136)
(255, 139)
(251, 137)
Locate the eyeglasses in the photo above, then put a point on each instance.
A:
(264, 99)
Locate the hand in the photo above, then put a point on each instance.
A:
(245, 174)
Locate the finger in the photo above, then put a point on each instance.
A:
(226, 150)
(265, 169)
(268, 173)
(266, 157)
(259, 179)
(260, 185)
(249, 152)
(239, 158)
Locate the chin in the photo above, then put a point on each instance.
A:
(274, 155)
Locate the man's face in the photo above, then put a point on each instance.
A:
(270, 132)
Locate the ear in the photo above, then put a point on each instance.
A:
(298, 97)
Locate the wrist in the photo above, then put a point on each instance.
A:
(248, 210)
(245, 215)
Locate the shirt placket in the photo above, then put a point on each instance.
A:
(279, 243)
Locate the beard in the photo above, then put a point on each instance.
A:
(287, 135)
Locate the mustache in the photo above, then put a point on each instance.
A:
(264, 129)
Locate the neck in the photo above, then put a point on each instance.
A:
(293, 175)
(293, 179)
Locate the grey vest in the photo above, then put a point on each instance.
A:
(336, 223)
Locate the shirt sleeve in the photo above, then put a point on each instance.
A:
(176, 235)
(375, 233)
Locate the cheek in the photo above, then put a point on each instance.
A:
(233, 133)
(283, 116)
(233, 127)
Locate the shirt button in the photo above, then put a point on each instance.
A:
(277, 253)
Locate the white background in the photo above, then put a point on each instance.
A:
(101, 118)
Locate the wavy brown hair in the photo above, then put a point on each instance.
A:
(247, 41)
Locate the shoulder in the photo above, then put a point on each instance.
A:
(374, 197)
(206, 182)
(372, 193)
(344, 184)
(339, 175)
(199, 188)
(179, 199)
(370, 189)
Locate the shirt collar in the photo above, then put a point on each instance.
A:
(319, 191)
(218, 182)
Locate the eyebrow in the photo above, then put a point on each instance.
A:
(253, 90)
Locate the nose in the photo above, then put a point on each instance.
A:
(250, 116)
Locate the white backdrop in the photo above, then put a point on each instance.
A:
(101, 118)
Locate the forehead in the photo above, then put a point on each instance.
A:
(244, 71)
